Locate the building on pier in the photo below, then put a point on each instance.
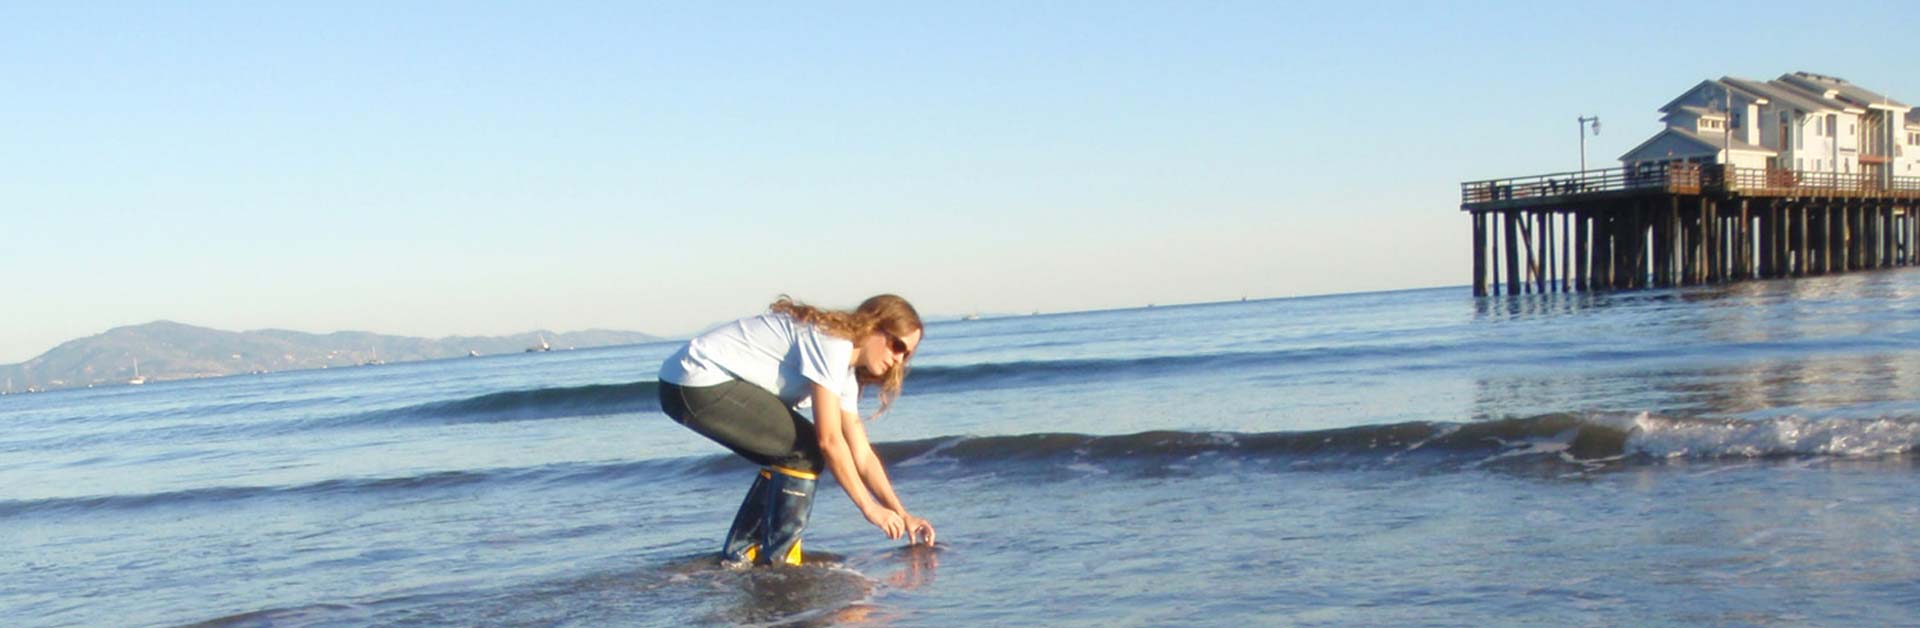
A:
(1801, 121)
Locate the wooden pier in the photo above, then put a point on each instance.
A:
(1684, 224)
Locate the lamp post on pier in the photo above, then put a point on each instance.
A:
(1585, 121)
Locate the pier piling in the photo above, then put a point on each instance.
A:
(1684, 224)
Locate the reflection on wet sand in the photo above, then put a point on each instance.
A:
(830, 590)
(917, 566)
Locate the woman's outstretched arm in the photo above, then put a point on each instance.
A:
(831, 424)
(873, 473)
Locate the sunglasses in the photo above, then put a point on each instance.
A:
(897, 345)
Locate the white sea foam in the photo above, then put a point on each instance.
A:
(1085, 468)
(1519, 450)
(1785, 436)
(938, 452)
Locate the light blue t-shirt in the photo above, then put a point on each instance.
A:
(770, 351)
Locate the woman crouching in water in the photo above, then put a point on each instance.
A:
(743, 384)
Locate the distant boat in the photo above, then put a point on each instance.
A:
(543, 346)
(137, 378)
(473, 354)
(970, 317)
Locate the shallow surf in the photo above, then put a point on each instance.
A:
(1718, 456)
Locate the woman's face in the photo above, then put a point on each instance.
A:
(881, 351)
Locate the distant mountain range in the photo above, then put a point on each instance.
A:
(167, 350)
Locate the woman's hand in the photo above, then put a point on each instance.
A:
(918, 528)
(888, 521)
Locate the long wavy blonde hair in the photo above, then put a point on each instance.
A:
(884, 313)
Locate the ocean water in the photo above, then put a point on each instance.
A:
(1728, 456)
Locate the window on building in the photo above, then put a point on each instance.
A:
(1799, 164)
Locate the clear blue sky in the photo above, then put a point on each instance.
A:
(476, 168)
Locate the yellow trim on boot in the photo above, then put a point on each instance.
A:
(793, 555)
(796, 473)
(753, 552)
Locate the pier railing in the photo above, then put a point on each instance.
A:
(1776, 182)
(1684, 178)
(1687, 179)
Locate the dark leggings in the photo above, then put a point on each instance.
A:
(748, 420)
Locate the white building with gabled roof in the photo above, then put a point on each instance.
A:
(1802, 121)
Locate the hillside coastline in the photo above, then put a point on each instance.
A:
(166, 350)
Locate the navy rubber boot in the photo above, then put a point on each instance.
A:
(789, 502)
(743, 539)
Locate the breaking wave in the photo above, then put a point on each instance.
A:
(1553, 442)
(1574, 438)
(517, 405)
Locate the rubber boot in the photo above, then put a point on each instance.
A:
(790, 501)
(743, 539)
